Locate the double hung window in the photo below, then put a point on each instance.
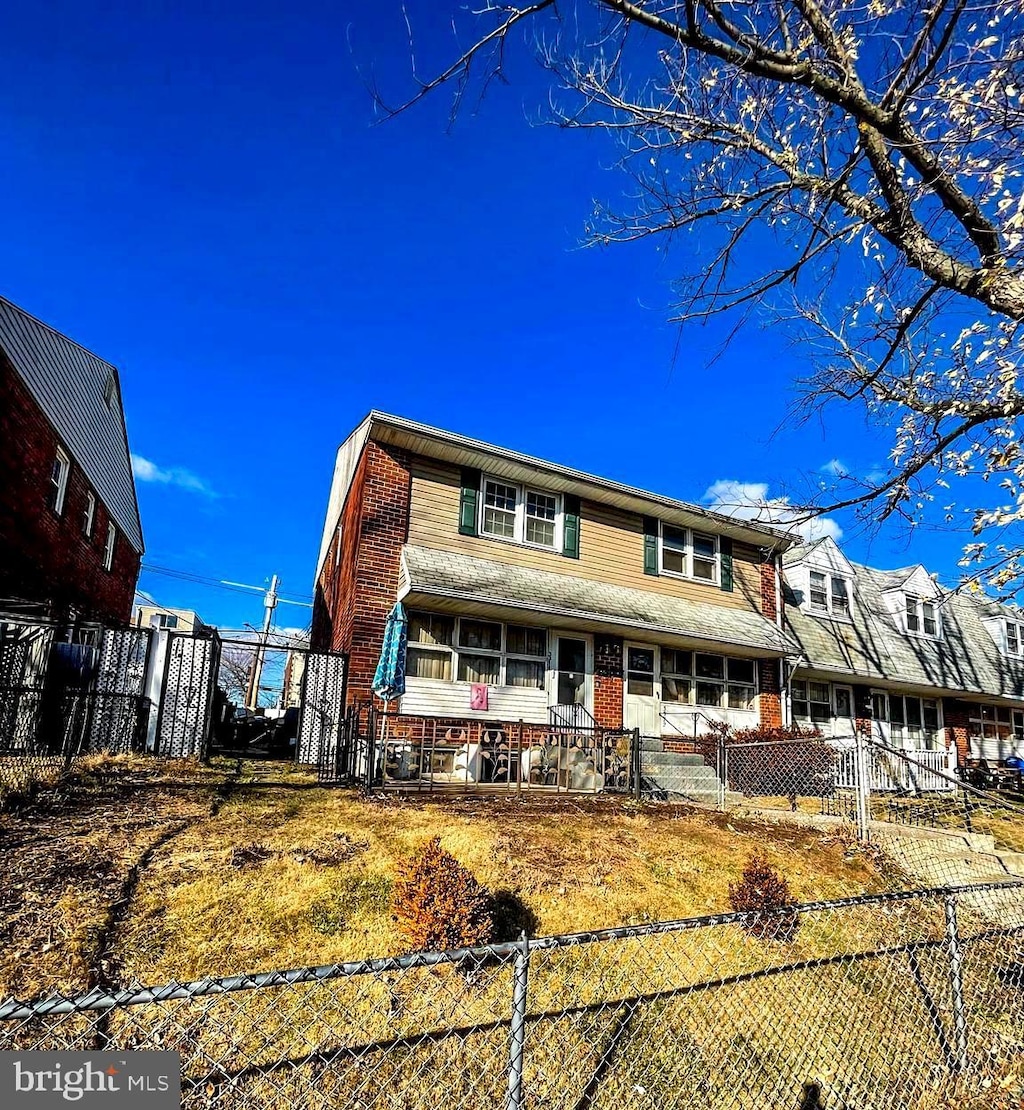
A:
(108, 547)
(922, 617)
(1014, 638)
(828, 593)
(59, 481)
(689, 554)
(520, 514)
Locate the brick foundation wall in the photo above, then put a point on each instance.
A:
(608, 681)
(955, 716)
(47, 558)
(354, 597)
(770, 698)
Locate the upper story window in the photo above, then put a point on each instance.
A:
(59, 481)
(520, 514)
(922, 617)
(108, 547)
(89, 515)
(109, 390)
(467, 650)
(1014, 638)
(689, 554)
(166, 620)
(828, 593)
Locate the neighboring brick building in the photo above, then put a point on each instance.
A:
(70, 536)
(552, 588)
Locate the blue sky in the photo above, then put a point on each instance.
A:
(200, 194)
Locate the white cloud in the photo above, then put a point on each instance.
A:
(147, 471)
(836, 468)
(750, 501)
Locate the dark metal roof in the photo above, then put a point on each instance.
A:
(69, 384)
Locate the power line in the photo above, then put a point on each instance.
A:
(216, 583)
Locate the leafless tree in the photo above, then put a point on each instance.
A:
(853, 170)
(235, 669)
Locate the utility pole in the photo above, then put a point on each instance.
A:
(252, 693)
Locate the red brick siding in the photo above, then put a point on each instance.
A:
(771, 598)
(770, 700)
(955, 716)
(354, 598)
(46, 557)
(608, 681)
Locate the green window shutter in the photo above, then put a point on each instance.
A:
(571, 526)
(725, 551)
(468, 501)
(650, 545)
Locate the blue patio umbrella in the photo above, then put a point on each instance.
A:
(389, 678)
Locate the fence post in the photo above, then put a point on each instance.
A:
(517, 1027)
(723, 771)
(636, 759)
(956, 982)
(863, 788)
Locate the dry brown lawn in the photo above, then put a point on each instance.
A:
(144, 872)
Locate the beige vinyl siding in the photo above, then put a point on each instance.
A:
(611, 544)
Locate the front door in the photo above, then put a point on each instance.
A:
(570, 683)
(642, 704)
(845, 724)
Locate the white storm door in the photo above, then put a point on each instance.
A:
(642, 690)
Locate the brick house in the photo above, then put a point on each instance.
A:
(554, 592)
(70, 534)
(544, 595)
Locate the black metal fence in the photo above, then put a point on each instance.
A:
(416, 753)
(912, 999)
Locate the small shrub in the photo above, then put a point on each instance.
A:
(763, 894)
(439, 904)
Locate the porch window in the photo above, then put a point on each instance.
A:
(716, 681)
(676, 672)
(520, 514)
(913, 721)
(689, 554)
(429, 653)
(812, 702)
(470, 650)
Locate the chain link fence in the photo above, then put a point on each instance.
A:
(913, 1000)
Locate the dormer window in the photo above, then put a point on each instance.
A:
(829, 593)
(922, 617)
(1014, 637)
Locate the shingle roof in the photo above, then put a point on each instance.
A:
(873, 645)
(68, 384)
(450, 574)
